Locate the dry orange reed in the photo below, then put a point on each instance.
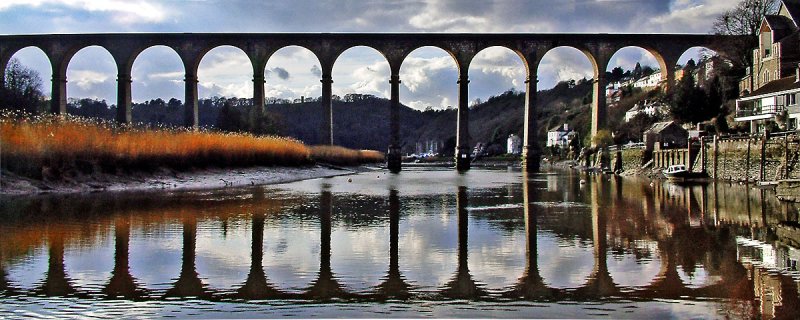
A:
(344, 156)
(29, 144)
(59, 141)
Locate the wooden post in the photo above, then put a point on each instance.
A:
(688, 155)
(786, 157)
(716, 155)
(747, 162)
(702, 155)
(763, 156)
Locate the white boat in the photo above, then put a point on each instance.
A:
(679, 172)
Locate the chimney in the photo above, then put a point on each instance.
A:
(566, 127)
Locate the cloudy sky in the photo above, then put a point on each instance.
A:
(428, 75)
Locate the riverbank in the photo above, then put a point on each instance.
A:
(168, 179)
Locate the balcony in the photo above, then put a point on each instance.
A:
(753, 113)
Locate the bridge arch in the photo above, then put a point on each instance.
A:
(91, 72)
(360, 71)
(31, 57)
(157, 68)
(232, 66)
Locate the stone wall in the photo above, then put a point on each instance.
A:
(632, 159)
(734, 164)
(732, 158)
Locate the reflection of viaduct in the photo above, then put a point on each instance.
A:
(531, 286)
(124, 48)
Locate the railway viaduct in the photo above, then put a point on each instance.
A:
(259, 47)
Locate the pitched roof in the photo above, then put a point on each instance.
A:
(782, 84)
(778, 22)
(659, 126)
(793, 7)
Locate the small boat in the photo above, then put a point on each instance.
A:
(679, 173)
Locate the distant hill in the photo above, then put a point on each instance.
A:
(364, 123)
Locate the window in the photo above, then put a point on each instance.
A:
(790, 99)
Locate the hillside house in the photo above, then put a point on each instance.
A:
(667, 135)
(651, 108)
(773, 82)
(560, 136)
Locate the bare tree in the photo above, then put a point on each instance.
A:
(744, 20)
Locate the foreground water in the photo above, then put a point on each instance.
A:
(424, 243)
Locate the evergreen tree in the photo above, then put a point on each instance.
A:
(691, 103)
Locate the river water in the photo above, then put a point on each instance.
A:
(424, 243)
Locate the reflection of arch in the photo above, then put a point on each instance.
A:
(461, 285)
(257, 286)
(531, 285)
(599, 284)
(5, 286)
(188, 283)
(394, 284)
(56, 281)
(326, 286)
(122, 283)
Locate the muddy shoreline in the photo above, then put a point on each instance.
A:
(167, 179)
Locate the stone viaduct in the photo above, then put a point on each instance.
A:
(259, 47)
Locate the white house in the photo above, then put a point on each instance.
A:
(514, 144)
(651, 81)
(560, 136)
(651, 108)
(770, 101)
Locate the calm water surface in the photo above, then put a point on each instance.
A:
(424, 243)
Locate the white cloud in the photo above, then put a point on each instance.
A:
(429, 82)
(123, 11)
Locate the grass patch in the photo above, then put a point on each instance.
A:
(46, 146)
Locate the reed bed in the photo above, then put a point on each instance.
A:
(46, 145)
(344, 156)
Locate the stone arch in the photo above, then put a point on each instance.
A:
(26, 55)
(410, 83)
(231, 62)
(460, 68)
(159, 75)
(371, 51)
(294, 73)
(499, 56)
(585, 51)
(88, 77)
(699, 54)
(664, 67)
(276, 56)
(369, 73)
(146, 51)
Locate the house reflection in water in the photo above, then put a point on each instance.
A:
(714, 242)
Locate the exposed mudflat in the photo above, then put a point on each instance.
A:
(11, 184)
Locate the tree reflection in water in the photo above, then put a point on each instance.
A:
(691, 230)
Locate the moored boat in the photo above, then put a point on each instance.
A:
(680, 173)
